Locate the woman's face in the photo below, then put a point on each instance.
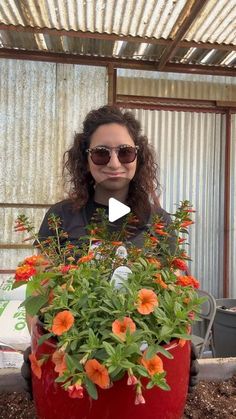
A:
(114, 175)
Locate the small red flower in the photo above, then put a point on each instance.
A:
(179, 264)
(76, 391)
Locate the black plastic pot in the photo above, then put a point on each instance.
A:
(224, 328)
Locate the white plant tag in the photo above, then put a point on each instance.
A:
(121, 252)
(119, 276)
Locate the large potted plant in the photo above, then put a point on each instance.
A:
(111, 329)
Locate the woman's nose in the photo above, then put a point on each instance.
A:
(114, 161)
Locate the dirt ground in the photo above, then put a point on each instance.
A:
(213, 400)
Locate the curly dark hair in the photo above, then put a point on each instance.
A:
(143, 188)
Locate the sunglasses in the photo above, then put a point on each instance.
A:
(101, 155)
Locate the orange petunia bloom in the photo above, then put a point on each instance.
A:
(59, 359)
(86, 258)
(187, 280)
(36, 365)
(97, 373)
(160, 281)
(120, 327)
(24, 272)
(147, 301)
(153, 365)
(62, 322)
(155, 262)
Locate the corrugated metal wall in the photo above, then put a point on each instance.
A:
(186, 86)
(190, 149)
(233, 209)
(41, 106)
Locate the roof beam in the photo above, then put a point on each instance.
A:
(116, 62)
(115, 37)
(190, 12)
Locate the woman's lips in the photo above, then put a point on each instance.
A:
(114, 174)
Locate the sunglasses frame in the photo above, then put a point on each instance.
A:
(109, 149)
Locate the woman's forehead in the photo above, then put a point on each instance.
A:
(111, 135)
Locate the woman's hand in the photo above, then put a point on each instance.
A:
(194, 369)
(26, 373)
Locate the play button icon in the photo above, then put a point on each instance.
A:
(116, 209)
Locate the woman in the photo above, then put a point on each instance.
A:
(110, 158)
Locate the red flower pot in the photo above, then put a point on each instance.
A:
(52, 402)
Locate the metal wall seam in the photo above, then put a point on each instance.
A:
(188, 147)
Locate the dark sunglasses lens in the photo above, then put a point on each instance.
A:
(127, 154)
(100, 156)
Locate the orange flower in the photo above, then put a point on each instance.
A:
(116, 243)
(86, 258)
(154, 240)
(62, 322)
(59, 359)
(159, 225)
(120, 327)
(147, 301)
(97, 373)
(153, 365)
(24, 272)
(181, 240)
(187, 280)
(36, 365)
(186, 300)
(36, 260)
(51, 296)
(160, 281)
(182, 342)
(155, 262)
(186, 223)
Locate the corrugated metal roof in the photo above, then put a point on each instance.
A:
(155, 22)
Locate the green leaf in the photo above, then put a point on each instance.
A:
(18, 284)
(141, 370)
(163, 385)
(164, 352)
(44, 337)
(33, 304)
(91, 388)
(70, 363)
(151, 352)
(109, 349)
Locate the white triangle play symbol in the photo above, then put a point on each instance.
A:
(116, 209)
